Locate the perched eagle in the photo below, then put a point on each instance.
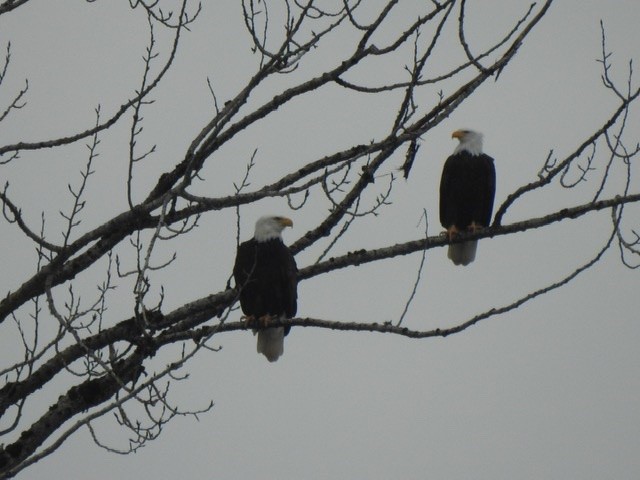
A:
(265, 273)
(467, 189)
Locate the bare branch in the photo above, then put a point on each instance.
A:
(111, 121)
(9, 5)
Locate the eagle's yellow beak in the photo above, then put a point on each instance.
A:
(458, 134)
(285, 222)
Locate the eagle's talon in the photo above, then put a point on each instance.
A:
(248, 320)
(264, 321)
(452, 232)
(475, 227)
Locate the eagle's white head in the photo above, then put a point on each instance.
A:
(270, 227)
(470, 141)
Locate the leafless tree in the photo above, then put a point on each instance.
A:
(90, 362)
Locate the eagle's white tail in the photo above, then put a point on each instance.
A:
(463, 253)
(271, 343)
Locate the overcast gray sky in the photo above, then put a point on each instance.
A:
(550, 391)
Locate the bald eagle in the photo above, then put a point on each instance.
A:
(467, 190)
(265, 273)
